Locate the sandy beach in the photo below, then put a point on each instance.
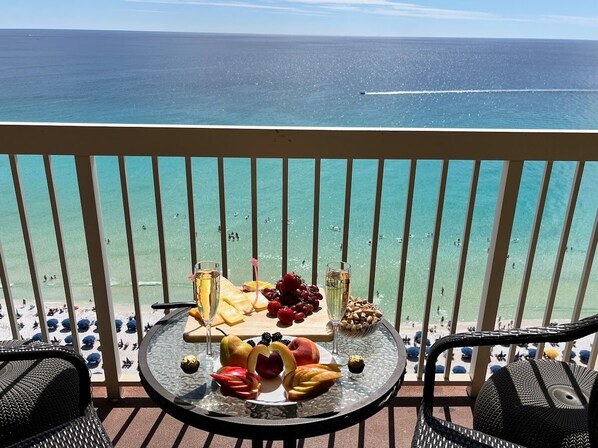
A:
(128, 343)
(126, 338)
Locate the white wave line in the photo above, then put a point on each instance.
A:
(458, 92)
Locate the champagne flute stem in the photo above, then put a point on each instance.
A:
(209, 340)
(335, 338)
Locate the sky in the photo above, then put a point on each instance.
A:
(555, 19)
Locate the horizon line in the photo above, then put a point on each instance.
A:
(304, 35)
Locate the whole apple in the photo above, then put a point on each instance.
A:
(269, 367)
(305, 351)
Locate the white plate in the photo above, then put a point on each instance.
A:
(272, 390)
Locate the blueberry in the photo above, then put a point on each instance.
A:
(276, 336)
(251, 342)
(264, 342)
(266, 336)
(285, 341)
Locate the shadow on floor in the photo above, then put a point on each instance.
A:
(136, 421)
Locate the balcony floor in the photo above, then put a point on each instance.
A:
(135, 421)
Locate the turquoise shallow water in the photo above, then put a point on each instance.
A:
(268, 80)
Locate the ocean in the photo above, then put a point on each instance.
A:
(187, 78)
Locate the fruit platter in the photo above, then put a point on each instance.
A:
(289, 306)
(271, 369)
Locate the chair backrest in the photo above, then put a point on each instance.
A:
(593, 416)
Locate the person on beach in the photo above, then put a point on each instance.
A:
(442, 291)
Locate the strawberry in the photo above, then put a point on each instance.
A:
(286, 315)
(273, 307)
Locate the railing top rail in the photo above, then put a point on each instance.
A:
(297, 142)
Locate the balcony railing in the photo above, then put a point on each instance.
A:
(308, 180)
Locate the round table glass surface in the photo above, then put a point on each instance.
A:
(185, 394)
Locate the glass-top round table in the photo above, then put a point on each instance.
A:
(196, 400)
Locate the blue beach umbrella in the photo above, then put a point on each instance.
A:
(584, 356)
(459, 369)
(439, 368)
(94, 358)
(131, 325)
(66, 324)
(466, 352)
(412, 353)
(495, 368)
(37, 337)
(572, 355)
(68, 339)
(118, 324)
(531, 352)
(52, 324)
(89, 340)
(83, 325)
(418, 337)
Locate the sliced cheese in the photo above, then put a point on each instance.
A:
(234, 297)
(259, 303)
(230, 314)
(240, 302)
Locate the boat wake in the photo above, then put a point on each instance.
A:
(468, 91)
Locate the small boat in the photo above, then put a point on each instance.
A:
(362, 92)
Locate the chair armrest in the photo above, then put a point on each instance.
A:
(14, 351)
(556, 333)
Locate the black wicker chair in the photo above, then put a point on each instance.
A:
(433, 432)
(45, 398)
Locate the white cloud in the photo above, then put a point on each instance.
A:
(586, 21)
(379, 7)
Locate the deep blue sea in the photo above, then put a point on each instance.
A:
(144, 77)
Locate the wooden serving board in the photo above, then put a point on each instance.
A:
(315, 327)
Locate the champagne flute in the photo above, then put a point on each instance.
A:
(338, 287)
(206, 291)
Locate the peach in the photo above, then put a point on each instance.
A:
(304, 351)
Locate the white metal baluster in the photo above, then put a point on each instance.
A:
(68, 294)
(432, 271)
(495, 268)
(406, 230)
(191, 211)
(316, 225)
(348, 183)
(37, 293)
(160, 222)
(285, 214)
(10, 306)
(583, 283)
(376, 228)
(475, 175)
(130, 245)
(531, 253)
(558, 265)
(223, 229)
(254, 234)
(98, 264)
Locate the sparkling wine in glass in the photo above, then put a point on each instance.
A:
(206, 290)
(338, 288)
